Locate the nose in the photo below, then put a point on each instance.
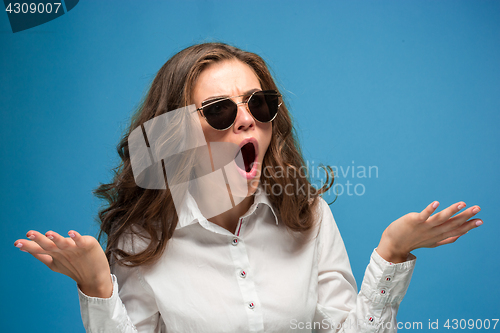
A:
(244, 119)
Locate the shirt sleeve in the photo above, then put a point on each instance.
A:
(340, 308)
(131, 308)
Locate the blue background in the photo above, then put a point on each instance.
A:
(411, 87)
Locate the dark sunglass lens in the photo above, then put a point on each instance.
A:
(264, 105)
(221, 114)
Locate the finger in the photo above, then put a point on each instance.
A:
(463, 217)
(20, 245)
(29, 246)
(446, 213)
(77, 238)
(424, 215)
(448, 240)
(61, 242)
(464, 228)
(34, 249)
(41, 240)
(45, 258)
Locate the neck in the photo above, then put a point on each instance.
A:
(229, 219)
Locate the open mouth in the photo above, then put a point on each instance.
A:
(246, 164)
(248, 153)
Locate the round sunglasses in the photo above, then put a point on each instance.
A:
(220, 113)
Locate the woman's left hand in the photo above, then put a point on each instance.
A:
(416, 230)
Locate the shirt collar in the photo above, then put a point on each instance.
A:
(189, 213)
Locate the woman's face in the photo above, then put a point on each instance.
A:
(234, 78)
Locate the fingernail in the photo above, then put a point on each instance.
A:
(50, 237)
(19, 245)
(475, 210)
(31, 237)
(460, 206)
(435, 205)
(478, 223)
(24, 251)
(72, 235)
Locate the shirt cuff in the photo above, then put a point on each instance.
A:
(386, 282)
(104, 314)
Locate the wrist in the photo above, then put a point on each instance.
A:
(100, 289)
(391, 252)
(394, 258)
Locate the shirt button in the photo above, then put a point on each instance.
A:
(382, 292)
(235, 241)
(243, 274)
(251, 305)
(388, 279)
(371, 319)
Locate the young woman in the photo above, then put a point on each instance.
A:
(270, 263)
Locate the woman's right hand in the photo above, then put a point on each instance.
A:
(79, 257)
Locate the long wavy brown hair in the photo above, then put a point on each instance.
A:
(130, 208)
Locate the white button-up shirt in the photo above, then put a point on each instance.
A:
(263, 278)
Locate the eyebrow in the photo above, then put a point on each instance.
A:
(246, 93)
